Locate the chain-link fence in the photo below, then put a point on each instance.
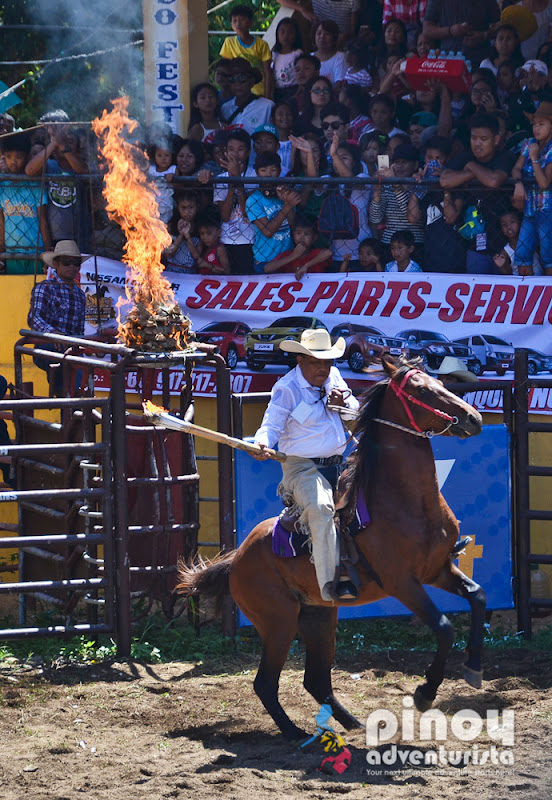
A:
(242, 225)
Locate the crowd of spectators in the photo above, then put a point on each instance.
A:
(447, 180)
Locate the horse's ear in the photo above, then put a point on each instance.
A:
(389, 363)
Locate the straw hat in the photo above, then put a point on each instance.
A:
(544, 110)
(454, 368)
(66, 247)
(316, 343)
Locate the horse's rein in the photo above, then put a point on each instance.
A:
(406, 398)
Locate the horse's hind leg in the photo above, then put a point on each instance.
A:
(417, 600)
(317, 628)
(277, 632)
(452, 580)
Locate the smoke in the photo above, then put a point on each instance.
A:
(84, 87)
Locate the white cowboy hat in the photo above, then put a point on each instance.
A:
(316, 343)
(455, 368)
(67, 247)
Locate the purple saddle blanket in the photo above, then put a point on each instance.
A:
(290, 544)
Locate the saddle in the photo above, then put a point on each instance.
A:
(289, 540)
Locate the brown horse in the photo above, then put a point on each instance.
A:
(409, 543)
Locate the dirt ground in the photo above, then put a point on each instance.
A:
(126, 730)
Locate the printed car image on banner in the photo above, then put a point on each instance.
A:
(471, 474)
(480, 319)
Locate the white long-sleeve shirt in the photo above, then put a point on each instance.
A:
(298, 419)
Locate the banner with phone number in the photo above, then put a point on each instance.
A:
(425, 314)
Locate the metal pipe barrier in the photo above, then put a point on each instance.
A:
(108, 523)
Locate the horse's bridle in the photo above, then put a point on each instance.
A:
(407, 398)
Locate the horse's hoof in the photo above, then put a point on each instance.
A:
(422, 702)
(473, 677)
(351, 722)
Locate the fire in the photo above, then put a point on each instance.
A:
(156, 321)
(150, 408)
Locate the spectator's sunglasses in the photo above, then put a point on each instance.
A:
(333, 125)
(320, 91)
(239, 78)
(69, 261)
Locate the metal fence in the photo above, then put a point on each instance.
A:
(471, 229)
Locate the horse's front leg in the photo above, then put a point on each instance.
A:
(415, 598)
(452, 580)
(317, 628)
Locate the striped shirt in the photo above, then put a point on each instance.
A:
(359, 78)
(392, 210)
(56, 308)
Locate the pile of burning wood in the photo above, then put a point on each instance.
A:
(157, 330)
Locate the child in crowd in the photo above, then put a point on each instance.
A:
(286, 49)
(265, 140)
(304, 257)
(270, 209)
(354, 98)
(183, 229)
(382, 112)
(252, 48)
(358, 57)
(238, 233)
(371, 146)
(535, 162)
(23, 211)
(215, 147)
(282, 117)
(506, 47)
(307, 69)
(390, 202)
(205, 114)
(161, 166)
(510, 225)
(370, 257)
(335, 121)
(402, 248)
(210, 256)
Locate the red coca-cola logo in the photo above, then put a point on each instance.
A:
(433, 64)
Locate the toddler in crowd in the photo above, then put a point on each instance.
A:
(304, 257)
(358, 56)
(402, 247)
(161, 165)
(282, 117)
(370, 257)
(210, 256)
(183, 229)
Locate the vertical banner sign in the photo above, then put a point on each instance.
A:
(175, 58)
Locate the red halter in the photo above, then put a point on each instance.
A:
(404, 397)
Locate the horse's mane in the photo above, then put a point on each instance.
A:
(364, 460)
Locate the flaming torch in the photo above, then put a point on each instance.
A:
(155, 322)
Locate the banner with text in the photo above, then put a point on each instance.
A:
(481, 319)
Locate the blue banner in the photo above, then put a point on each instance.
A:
(474, 476)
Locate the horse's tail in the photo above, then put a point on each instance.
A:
(206, 577)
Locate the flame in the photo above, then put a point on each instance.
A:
(150, 408)
(131, 201)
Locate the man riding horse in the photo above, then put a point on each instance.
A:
(300, 419)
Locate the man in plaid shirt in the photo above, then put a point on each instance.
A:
(58, 303)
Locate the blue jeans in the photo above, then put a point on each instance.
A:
(534, 231)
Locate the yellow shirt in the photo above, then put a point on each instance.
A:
(255, 53)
